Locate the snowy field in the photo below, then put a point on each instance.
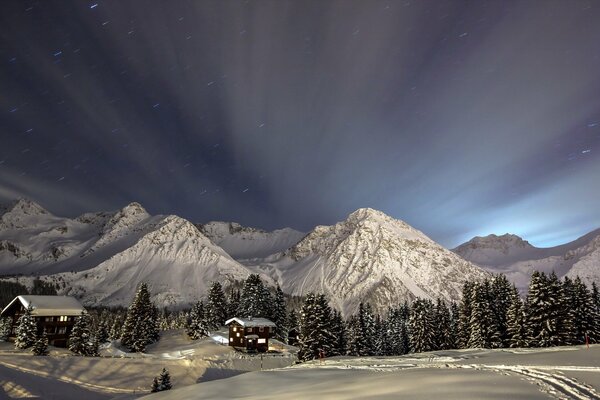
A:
(124, 375)
(207, 370)
(563, 373)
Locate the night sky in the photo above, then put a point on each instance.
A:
(461, 118)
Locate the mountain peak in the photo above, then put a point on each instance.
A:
(504, 242)
(25, 207)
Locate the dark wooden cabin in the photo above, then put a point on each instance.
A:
(53, 314)
(250, 334)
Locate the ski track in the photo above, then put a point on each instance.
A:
(549, 379)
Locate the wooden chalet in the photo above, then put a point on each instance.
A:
(53, 314)
(250, 334)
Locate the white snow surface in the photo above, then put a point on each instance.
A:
(552, 373)
(515, 257)
(368, 257)
(49, 305)
(242, 242)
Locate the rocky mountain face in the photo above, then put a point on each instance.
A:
(242, 242)
(511, 255)
(369, 257)
(102, 257)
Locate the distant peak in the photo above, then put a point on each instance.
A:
(367, 213)
(134, 208)
(26, 206)
(493, 240)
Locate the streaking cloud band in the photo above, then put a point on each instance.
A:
(462, 118)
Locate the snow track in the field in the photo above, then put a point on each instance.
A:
(556, 383)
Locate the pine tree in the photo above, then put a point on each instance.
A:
(40, 347)
(362, 332)
(315, 328)
(421, 328)
(255, 300)
(5, 328)
(338, 331)
(484, 331)
(441, 320)
(516, 323)
(398, 332)
(293, 328)
(164, 380)
(79, 340)
(500, 300)
(280, 315)
(155, 386)
(594, 336)
(464, 321)
(26, 332)
(197, 327)
(102, 334)
(140, 327)
(234, 303)
(582, 312)
(454, 320)
(216, 306)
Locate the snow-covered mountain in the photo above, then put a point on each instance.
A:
(104, 256)
(518, 259)
(242, 242)
(369, 257)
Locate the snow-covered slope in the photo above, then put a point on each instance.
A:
(174, 258)
(103, 256)
(518, 259)
(242, 242)
(369, 257)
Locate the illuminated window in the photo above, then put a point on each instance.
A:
(231, 339)
(262, 341)
(63, 318)
(237, 334)
(234, 329)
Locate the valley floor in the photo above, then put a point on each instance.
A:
(207, 370)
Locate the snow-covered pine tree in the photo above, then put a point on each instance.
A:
(216, 306)
(516, 323)
(421, 328)
(26, 332)
(464, 322)
(102, 333)
(441, 320)
(164, 380)
(454, 318)
(483, 328)
(255, 299)
(594, 336)
(338, 330)
(279, 315)
(362, 336)
(582, 312)
(40, 347)
(315, 328)
(293, 327)
(234, 303)
(80, 337)
(381, 339)
(5, 328)
(155, 387)
(500, 300)
(197, 327)
(397, 333)
(140, 327)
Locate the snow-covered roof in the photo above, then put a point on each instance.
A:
(49, 305)
(251, 336)
(251, 321)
